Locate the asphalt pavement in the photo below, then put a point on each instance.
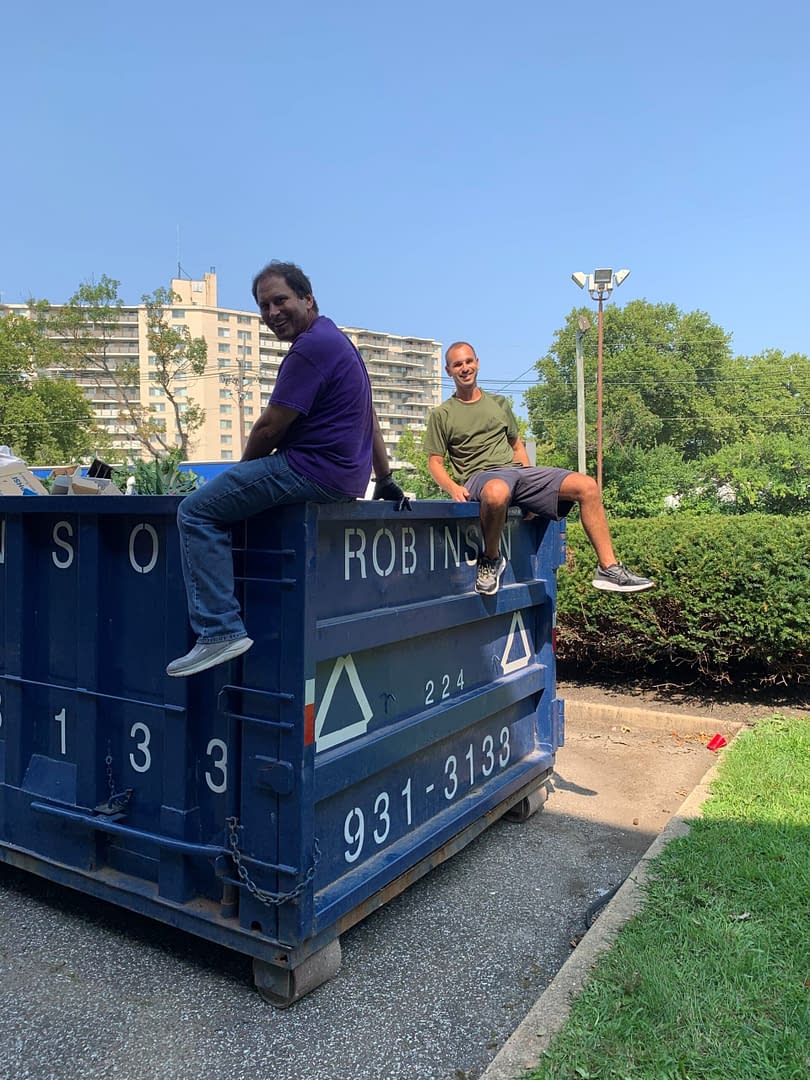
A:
(431, 986)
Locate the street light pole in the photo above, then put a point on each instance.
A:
(583, 326)
(600, 371)
(601, 284)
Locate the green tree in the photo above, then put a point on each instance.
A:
(661, 371)
(44, 420)
(766, 472)
(177, 355)
(767, 393)
(87, 328)
(416, 476)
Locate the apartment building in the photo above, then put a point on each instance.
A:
(243, 362)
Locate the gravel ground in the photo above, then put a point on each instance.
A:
(431, 986)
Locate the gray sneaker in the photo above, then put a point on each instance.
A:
(618, 578)
(488, 575)
(204, 656)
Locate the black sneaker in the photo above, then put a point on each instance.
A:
(488, 575)
(618, 578)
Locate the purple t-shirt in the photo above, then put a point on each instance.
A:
(324, 378)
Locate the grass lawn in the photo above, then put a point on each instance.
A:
(711, 980)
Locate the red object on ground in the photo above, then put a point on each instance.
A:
(717, 742)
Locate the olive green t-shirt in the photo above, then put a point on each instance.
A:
(475, 435)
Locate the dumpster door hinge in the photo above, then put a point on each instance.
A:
(279, 776)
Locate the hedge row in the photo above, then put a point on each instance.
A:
(731, 602)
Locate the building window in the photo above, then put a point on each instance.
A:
(178, 313)
(222, 317)
(225, 425)
(223, 331)
(244, 319)
(226, 455)
(223, 348)
(223, 363)
(225, 410)
(224, 393)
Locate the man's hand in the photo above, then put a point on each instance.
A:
(458, 493)
(387, 488)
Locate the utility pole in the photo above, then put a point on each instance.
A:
(238, 385)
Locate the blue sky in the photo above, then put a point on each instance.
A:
(438, 169)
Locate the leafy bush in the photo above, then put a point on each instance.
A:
(160, 476)
(730, 603)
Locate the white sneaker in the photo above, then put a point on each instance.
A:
(204, 656)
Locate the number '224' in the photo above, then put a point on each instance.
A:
(431, 688)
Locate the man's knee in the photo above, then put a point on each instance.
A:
(495, 494)
(579, 487)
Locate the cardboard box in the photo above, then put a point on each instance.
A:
(68, 480)
(87, 485)
(16, 479)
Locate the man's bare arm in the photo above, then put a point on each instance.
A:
(519, 448)
(457, 492)
(268, 431)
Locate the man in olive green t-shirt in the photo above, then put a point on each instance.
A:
(479, 434)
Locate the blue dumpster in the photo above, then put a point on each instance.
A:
(384, 717)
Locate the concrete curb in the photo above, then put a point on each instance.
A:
(524, 1048)
(587, 712)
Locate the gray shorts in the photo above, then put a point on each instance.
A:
(534, 488)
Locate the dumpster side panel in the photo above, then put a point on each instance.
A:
(384, 714)
(433, 704)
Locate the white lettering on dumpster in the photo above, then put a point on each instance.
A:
(434, 549)
(470, 766)
(408, 548)
(384, 570)
(220, 764)
(143, 745)
(359, 553)
(149, 530)
(63, 544)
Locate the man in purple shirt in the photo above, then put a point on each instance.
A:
(316, 441)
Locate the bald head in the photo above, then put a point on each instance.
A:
(457, 345)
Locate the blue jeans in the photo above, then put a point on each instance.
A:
(204, 518)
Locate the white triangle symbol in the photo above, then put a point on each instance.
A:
(335, 738)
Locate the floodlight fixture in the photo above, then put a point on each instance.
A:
(584, 323)
(603, 279)
(579, 278)
(619, 277)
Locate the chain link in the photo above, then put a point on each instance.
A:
(264, 897)
(108, 763)
(118, 800)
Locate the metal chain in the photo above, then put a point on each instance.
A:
(108, 762)
(264, 897)
(118, 800)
